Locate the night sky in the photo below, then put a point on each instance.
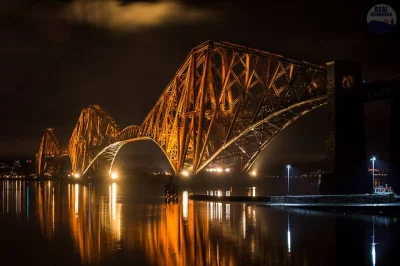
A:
(58, 57)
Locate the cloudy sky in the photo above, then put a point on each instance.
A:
(58, 56)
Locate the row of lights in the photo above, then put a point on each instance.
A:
(186, 173)
(113, 175)
(219, 170)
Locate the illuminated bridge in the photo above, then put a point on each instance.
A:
(223, 106)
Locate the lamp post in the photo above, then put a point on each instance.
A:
(288, 183)
(373, 159)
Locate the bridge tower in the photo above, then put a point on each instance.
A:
(49, 148)
(345, 149)
(395, 144)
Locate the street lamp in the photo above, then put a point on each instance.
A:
(288, 171)
(373, 159)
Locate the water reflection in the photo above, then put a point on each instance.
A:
(12, 194)
(185, 205)
(227, 212)
(373, 251)
(289, 239)
(111, 224)
(76, 200)
(115, 221)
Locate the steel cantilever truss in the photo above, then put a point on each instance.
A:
(223, 106)
(50, 147)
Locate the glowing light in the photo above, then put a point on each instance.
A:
(76, 175)
(218, 170)
(219, 193)
(253, 173)
(114, 175)
(185, 205)
(253, 191)
(185, 173)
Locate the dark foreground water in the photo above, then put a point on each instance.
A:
(52, 223)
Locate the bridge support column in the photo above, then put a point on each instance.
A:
(345, 150)
(394, 173)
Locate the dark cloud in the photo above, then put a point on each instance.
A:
(135, 15)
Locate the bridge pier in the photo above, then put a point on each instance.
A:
(393, 179)
(346, 152)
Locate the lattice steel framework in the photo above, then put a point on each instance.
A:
(49, 147)
(223, 106)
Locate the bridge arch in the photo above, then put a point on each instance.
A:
(296, 111)
(111, 152)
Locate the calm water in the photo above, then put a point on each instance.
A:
(51, 223)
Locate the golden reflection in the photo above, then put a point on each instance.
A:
(115, 217)
(217, 254)
(185, 205)
(27, 205)
(69, 196)
(228, 212)
(84, 230)
(8, 195)
(52, 208)
(43, 196)
(113, 197)
(244, 220)
(219, 211)
(169, 235)
(187, 233)
(12, 197)
(76, 199)
(170, 240)
(18, 197)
